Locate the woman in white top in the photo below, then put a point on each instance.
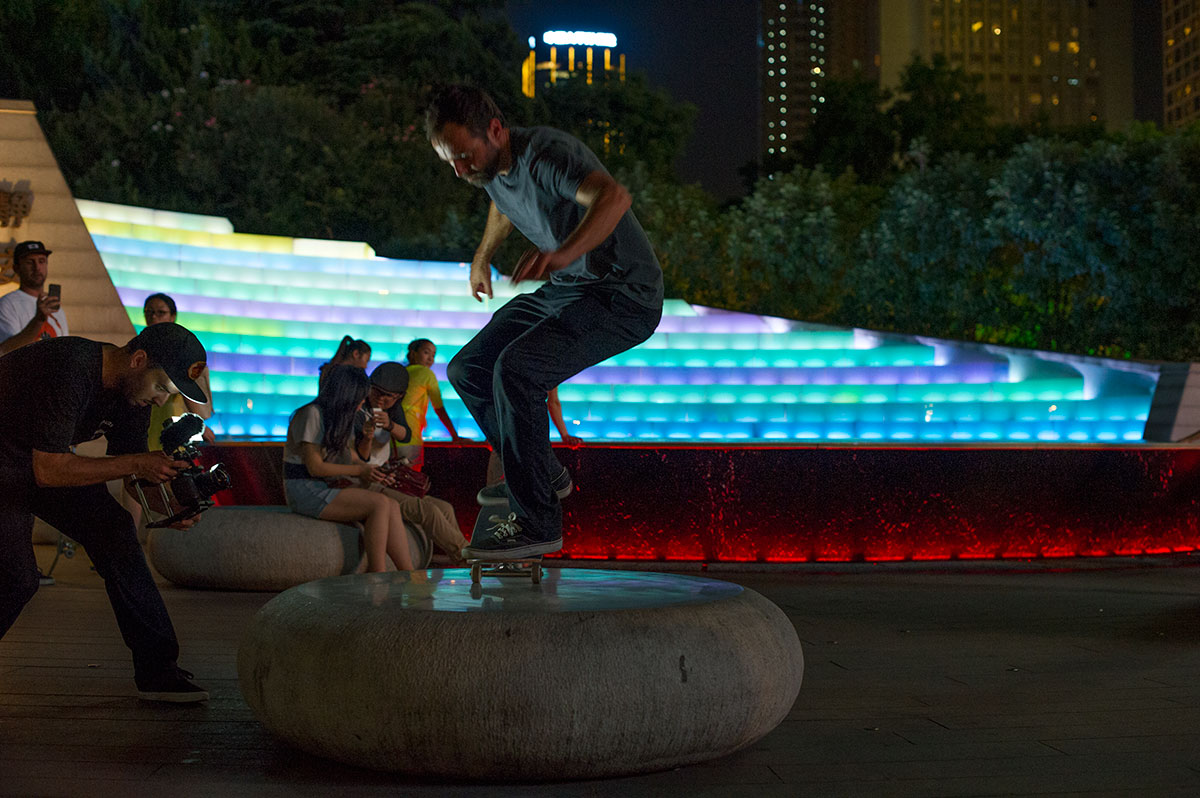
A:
(319, 455)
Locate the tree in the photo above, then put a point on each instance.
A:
(942, 107)
(625, 122)
(850, 130)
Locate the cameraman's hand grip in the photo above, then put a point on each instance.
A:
(155, 467)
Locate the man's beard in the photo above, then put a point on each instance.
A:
(481, 177)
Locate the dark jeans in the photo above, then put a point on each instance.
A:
(531, 345)
(92, 517)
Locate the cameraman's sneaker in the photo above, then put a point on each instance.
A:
(498, 493)
(172, 685)
(507, 539)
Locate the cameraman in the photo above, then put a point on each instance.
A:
(63, 391)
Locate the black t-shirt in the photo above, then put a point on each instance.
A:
(51, 397)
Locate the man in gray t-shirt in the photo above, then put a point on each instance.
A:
(603, 295)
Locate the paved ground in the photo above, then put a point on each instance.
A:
(1068, 678)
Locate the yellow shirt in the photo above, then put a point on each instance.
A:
(422, 389)
(159, 415)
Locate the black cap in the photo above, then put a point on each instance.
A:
(28, 248)
(174, 349)
(391, 377)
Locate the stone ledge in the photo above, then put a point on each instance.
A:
(591, 674)
(262, 548)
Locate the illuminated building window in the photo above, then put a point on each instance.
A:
(1035, 98)
(976, 26)
(1072, 47)
(1054, 46)
(1037, 60)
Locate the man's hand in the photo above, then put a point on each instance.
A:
(47, 306)
(537, 265)
(572, 441)
(481, 280)
(156, 467)
(370, 473)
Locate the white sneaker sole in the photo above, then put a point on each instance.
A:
(495, 501)
(522, 553)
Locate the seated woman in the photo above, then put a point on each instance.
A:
(350, 352)
(422, 391)
(315, 457)
(380, 431)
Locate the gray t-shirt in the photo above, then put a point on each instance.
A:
(538, 197)
(305, 426)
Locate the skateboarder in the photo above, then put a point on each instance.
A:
(603, 295)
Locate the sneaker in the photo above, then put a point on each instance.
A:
(498, 493)
(493, 494)
(562, 484)
(172, 685)
(508, 540)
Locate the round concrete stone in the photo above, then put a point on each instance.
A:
(591, 673)
(262, 548)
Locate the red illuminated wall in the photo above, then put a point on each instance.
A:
(832, 504)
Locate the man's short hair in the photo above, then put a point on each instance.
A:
(463, 105)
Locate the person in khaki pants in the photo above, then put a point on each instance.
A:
(384, 427)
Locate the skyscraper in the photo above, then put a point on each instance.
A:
(802, 42)
(1068, 61)
(1181, 62)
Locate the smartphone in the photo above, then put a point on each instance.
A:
(54, 290)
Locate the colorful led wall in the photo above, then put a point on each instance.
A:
(271, 309)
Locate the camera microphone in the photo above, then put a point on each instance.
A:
(177, 433)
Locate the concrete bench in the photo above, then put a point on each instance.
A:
(588, 674)
(263, 548)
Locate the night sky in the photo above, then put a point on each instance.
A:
(701, 51)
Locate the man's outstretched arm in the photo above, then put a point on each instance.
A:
(497, 229)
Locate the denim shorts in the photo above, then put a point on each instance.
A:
(308, 496)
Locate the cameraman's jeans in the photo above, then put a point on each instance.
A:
(93, 518)
(531, 345)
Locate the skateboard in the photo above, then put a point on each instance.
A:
(489, 518)
(526, 566)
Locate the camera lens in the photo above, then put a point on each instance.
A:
(210, 482)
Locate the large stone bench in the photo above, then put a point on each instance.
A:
(588, 674)
(263, 548)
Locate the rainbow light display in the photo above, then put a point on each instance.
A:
(271, 309)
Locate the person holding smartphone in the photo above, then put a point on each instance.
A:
(30, 314)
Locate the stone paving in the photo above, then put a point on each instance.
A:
(1076, 677)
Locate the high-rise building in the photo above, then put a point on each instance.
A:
(1181, 62)
(801, 42)
(571, 55)
(1068, 61)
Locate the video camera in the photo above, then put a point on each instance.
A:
(193, 487)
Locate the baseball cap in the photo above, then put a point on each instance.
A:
(174, 349)
(391, 377)
(28, 248)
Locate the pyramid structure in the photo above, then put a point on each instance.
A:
(41, 208)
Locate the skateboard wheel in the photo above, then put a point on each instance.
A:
(535, 574)
(476, 572)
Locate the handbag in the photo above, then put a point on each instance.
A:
(406, 480)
